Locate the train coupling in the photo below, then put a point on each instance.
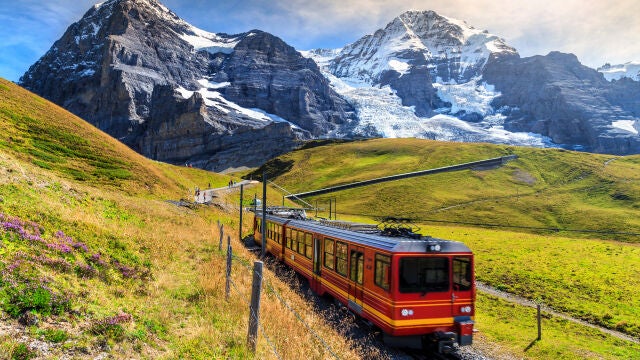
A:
(446, 341)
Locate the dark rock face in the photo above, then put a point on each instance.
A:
(556, 96)
(119, 65)
(415, 88)
(267, 73)
(186, 131)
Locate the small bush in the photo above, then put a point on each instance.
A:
(111, 327)
(22, 352)
(56, 335)
(38, 299)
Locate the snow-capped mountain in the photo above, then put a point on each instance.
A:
(629, 70)
(449, 49)
(430, 76)
(180, 94)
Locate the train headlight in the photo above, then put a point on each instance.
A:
(435, 247)
(465, 309)
(406, 312)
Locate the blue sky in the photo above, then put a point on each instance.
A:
(597, 31)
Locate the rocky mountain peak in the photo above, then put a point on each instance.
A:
(449, 48)
(180, 94)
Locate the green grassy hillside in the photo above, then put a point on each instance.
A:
(95, 263)
(544, 188)
(589, 269)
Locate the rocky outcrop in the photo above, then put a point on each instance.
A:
(124, 66)
(266, 73)
(556, 96)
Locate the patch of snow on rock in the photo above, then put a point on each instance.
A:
(627, 125)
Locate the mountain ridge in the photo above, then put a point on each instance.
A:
(108, 73)
(241, 99)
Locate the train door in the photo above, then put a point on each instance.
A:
(356, 277)
(315, 278)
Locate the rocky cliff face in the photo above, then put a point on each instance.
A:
(556, 96)
(128, 65)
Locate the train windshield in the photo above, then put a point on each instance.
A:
(424, 274)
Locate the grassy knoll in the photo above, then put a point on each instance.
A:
(94, 262)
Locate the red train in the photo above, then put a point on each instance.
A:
(420, 291)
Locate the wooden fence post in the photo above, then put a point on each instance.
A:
(263, 225)
(228, 284)
(221, 236)
(254, 309)
(539, 324)
(241, 196)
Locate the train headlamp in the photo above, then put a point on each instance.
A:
(406, 312)
(433, 247)
(465, 309)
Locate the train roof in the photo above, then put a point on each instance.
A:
(386, 243)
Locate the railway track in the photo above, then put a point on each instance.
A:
(432, 355)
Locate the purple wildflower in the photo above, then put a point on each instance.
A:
(126, 271)
(63, 248)
(95, 258)
(86, 271)
(80, 245)
(59, 264)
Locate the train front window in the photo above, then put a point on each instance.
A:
(462, 273)
(424, 274)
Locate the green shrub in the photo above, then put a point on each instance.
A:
(38, 299)
(56, 335)
(22, 352)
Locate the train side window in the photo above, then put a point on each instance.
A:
(292, 242)
(300, 248)
(329, 259)
(382, 271)
(259, 225)
(288, 237)
(341, 258)
(462, 273)
(357, 267)
(308, 245)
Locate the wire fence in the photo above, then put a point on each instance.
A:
(255, 315)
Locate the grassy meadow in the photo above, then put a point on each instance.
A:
(96, 263)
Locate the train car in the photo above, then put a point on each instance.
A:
(420, 291)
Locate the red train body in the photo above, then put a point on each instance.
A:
(419, 292)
